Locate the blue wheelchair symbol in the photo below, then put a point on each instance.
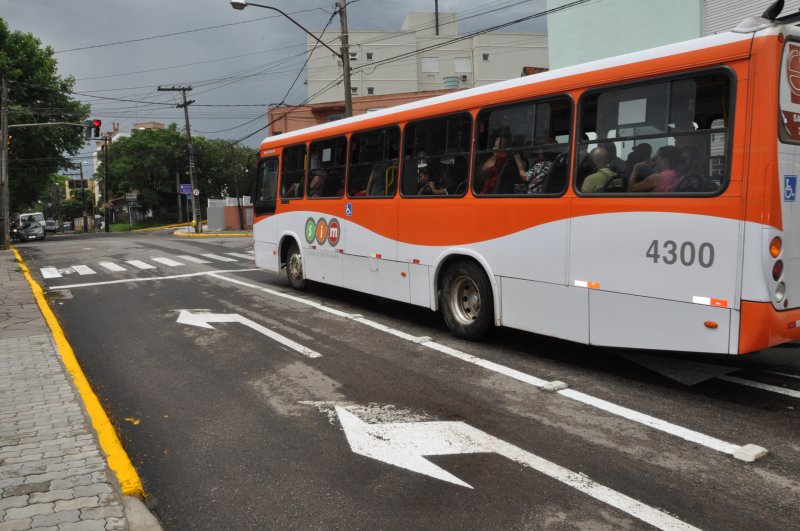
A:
(348, 209)
(789, 188)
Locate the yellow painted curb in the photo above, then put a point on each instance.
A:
(203, 235)
(118, 459)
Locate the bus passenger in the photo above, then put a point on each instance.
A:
(428, 184)
(663, 179)
(494, 165)
(596, 182)
(691, 178)
(641, 152)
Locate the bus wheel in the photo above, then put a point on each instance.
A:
(294, 268)
(466, 301)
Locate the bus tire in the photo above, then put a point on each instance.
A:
(294, 268)
(466, 301)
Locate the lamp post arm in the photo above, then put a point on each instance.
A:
(334, 52)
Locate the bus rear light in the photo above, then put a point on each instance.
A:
(711, 325)
(777, 270)
(780, 292)
(775, 247)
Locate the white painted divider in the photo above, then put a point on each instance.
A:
(141, 265)
(167, 261)
(194, 259)
(83, 270)
(50, 272)
(113, 267)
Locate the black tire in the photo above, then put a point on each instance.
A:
(466, 302)
(294, 268)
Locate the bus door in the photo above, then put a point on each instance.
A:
(265, 228)
(656, 229)
(370, 216)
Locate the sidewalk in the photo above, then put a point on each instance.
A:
(53, 473)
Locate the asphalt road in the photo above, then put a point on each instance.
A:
(314, 410)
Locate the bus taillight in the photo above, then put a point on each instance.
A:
(775, 247)
(777, 270)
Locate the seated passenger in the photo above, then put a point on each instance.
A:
(490, 170)
(663, 179)
(534, 178)
(641, 152)
(691, 179)
(428, 185)
(596, 182)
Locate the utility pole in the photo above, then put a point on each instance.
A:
(348, 94)
(4, 195)
(106, 202)
(196, 218)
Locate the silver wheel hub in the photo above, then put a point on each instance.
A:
(465, 300)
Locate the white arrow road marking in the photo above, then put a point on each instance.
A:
(203, 319)
(404, 444)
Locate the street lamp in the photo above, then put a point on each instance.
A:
(343, 55)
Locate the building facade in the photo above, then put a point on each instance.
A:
(605, 28)
(421, 56)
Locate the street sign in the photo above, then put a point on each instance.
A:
(186, 189)
(131, 197)
(196, 192)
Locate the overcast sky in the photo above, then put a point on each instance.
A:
(252, 60)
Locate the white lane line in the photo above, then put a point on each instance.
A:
(797, 376)
(140, 264)
(83, 270)
(193, 259)
(241, 255)
(150, 279)
(647, 420)
(50, 272)
(759, 385)
(218, 257)
(641, 418)
(113, 267)
(167, 261)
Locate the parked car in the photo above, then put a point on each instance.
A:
(50, 226)
(31, 230)
(67, 226)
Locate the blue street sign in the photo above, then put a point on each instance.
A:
(186, 189)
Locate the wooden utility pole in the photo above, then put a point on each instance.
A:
(348, 94)
(196, 218)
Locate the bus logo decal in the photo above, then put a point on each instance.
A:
(789, 188)
(793, 73)
(311, 230)
(334, 231)
(322, 231)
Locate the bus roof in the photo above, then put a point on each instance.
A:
(710, 41)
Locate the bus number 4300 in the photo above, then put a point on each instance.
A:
(687, 253)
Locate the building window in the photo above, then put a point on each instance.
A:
(369, 56)
(486, 57)
(370, 90)
(354, 56)
(463, 65)
(354, 91)
(430, 64)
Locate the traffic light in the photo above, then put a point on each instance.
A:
(96, 125)
(87, 129)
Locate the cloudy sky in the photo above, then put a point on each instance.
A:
(236, 69)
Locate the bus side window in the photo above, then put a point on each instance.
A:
(436, 156)
(665, 132)
(293, 172)
(372, 170)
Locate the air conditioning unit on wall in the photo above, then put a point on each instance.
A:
(464, 77)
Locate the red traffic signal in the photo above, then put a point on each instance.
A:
(96, 125)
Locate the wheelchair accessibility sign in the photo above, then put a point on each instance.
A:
(789, 188)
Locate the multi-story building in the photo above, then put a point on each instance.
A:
(425, 58)
(604, 28)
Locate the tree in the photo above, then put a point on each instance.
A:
(37, 94)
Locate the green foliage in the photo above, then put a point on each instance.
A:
(37, 94)
(149, 161)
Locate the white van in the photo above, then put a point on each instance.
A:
(32, 216)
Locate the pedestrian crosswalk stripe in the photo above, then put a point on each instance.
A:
(193, 259)
(83, 270)
(218, 257)
(50, 272)
(111, 266)
(167, 261)
(140, 264)
(240, 255)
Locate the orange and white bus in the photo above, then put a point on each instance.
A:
(644, 201)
